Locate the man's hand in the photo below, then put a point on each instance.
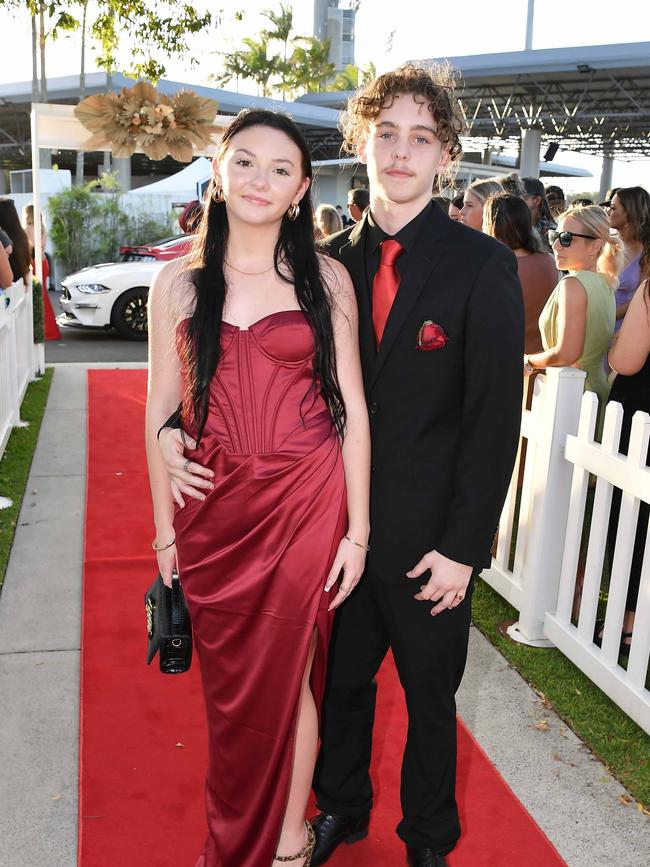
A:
(447, 585)
(186, 477)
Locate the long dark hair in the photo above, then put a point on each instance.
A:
(295, 249)
(636, 204)
(21, 256)
(507, 218)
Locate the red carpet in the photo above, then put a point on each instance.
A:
(143, 749)
(49, 319)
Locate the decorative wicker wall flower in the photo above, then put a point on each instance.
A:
(140, 118)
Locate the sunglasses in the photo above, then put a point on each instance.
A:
(565, 238)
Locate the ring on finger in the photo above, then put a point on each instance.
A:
(186, 464)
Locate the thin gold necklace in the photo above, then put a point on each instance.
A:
(249, 273)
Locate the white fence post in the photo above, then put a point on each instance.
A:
(12, 384)
(7, 377)
(17, 368)
(578, 642)
(548, 503)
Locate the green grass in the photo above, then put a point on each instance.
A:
(621, 744)
(16, 461)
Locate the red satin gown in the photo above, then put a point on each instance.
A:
(253, 560)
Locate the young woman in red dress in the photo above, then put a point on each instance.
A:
(256, 335)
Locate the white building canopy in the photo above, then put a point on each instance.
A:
(181, 185)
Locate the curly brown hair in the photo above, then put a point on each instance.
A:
(435, 85)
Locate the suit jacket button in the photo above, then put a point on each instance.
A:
(372, 408)
(372, 468)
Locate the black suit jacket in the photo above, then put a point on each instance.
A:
(444, 423)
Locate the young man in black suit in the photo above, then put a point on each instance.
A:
(441, 331)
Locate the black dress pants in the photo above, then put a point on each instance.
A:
(430, 654)
(642, 402)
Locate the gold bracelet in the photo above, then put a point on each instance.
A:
(358, 544)
(162, 547)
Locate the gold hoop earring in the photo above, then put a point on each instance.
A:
(217, 195)
(293, 211)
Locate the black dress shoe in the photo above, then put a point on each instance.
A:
(331, 830)
(424, 858)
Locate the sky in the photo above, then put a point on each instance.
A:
(389, 32)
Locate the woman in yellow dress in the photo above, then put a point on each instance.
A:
(577, 322)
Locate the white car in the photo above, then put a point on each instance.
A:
(112, 295)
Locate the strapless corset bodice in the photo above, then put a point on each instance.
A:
(262, 397)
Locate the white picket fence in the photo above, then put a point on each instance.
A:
(20, 359)
(538, 550)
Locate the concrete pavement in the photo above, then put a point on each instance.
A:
(566, 789)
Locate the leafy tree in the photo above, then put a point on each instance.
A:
(347, 79)
(47, 20)
(352, 76)
(79, 173)
(151, 26)
(234, 66)
(261, 66)
(309, 64)
(368, 73)
(282, 22)
(307, 68)
(87, 227)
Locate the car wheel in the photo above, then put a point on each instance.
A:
(129, 316)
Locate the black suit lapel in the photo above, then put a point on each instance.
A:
(420, 263)
(353, 255)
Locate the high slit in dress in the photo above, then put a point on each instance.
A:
(253, 559)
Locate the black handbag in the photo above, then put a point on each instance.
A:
(169, 628)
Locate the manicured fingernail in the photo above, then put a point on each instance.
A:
(328, 587)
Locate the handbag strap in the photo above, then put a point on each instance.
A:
(176, 604)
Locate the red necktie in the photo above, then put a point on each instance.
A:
(385, 285)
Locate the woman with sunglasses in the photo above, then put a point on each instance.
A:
(578, 319)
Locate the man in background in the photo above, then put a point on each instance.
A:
(358, 201)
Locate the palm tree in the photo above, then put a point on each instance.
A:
(368, 73)
(347, 79)
(257, 60)
(282, 22)
(310, 65)
(234, 66)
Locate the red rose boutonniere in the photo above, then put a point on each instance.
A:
(431, 336)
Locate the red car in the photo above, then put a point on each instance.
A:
(168, 248)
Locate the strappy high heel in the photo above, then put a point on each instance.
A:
(307, 850)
